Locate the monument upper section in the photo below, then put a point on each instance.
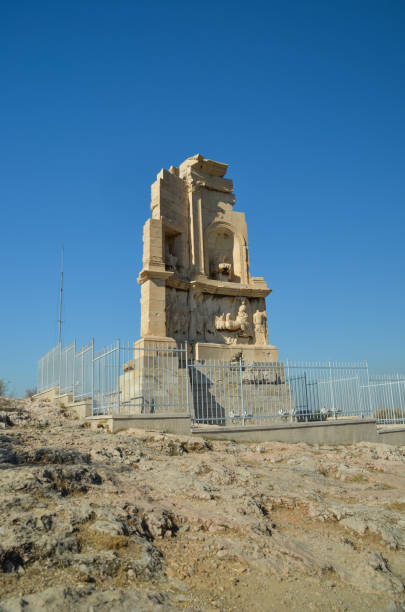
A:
(203, 239)
(195, 278)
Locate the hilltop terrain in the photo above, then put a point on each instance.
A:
(91, 521)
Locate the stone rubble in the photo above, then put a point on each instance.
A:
(151, 521)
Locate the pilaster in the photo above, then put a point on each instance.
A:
(196, 230)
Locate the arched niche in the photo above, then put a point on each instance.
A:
(222, 245)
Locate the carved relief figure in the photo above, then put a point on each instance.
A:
(260, 323)
(177, 314)
(171, 250)
(171, 262)
(240, 324)
(210, 306)
(220, 246)
(200, 315)
(243, 319)
(231, 339)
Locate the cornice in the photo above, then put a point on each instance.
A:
(218, 287)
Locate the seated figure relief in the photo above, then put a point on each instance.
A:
(240, 324)
(171, 261)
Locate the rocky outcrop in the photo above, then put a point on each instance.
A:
(145, 521)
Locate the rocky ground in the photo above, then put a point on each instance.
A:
(91, 521)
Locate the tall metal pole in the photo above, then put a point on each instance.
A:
(61, 299)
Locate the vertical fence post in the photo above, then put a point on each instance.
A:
(289, 391)
(241, 391)
(306, 397)
(92, 378)
(400, 386)
(370, 404)
(118, 376)
(59, 366)
(73, 369)
(187, 381)
(393, 412)
(332, 394)
(82, 386)
(359, 395)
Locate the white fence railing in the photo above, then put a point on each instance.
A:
(243, 393)
(49, 369)
(83, 372)
(68, 369)
(66, 372)
(387, 396)
(128, 379)
(139, 380)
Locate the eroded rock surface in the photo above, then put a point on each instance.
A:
(149, 521)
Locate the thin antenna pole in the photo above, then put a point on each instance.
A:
(61, 299)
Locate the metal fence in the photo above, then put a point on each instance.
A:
(140, 380)
(49, 369)
(83, 372)
(66, 373)
(131, 379)
(68, 370)
(238, 393)
(387, 396)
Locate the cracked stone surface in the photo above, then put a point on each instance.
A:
(150, 521)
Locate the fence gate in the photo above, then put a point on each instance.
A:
(306, 398)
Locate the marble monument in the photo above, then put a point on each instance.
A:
(195, 281)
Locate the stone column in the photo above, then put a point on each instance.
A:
(153, 308)
(153, 247)
(196, 230)
(152, 278)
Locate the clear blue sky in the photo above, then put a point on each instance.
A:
(305, 101)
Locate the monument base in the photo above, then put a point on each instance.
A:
(250, 353)
(156, 379)
(155, 342)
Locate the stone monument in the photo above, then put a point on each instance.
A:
(195, 281)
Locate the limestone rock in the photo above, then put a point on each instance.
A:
(85, 598)
(142, 520)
